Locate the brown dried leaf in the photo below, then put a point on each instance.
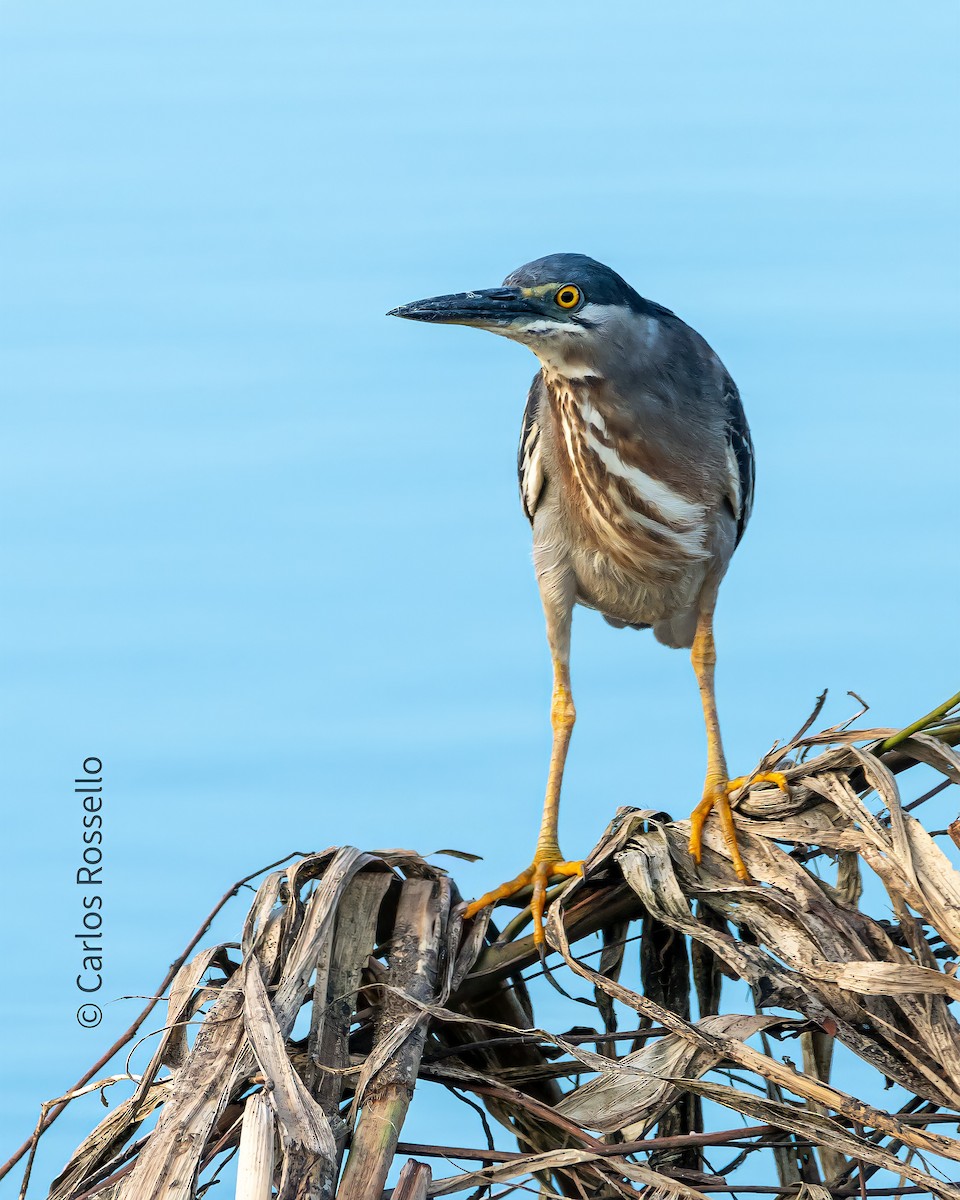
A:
(641, 1085)
(307, 1142)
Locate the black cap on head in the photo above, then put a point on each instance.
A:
(599, 284)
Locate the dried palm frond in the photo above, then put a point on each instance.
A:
(357, 981)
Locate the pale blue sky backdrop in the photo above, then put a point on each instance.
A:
(262, 548)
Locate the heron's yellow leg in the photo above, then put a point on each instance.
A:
(548, 862)
(717, 786)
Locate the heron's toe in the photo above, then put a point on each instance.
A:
(716, 794)
(538, 874)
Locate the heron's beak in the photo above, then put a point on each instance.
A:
(495, 308)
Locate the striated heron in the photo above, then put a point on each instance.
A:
(636, 473)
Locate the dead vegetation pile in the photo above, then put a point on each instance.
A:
(355, 984)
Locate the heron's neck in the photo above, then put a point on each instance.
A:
(566, 369)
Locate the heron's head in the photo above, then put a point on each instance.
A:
(572, 311)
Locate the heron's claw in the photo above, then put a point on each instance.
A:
(538, 874)
(717, 794)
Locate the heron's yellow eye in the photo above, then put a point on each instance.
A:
(568, 296)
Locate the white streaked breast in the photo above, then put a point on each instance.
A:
(676, 509)
(682, 519)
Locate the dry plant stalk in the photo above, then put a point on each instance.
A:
(367, 953)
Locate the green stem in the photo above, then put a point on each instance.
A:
(940, 711)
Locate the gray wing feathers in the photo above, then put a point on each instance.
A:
(741, 465)
(529, 460)
(680, 629)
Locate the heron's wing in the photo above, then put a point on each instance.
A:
(741, 467)
(529, 460)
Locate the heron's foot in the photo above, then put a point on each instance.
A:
(538, 874)
(717, 794)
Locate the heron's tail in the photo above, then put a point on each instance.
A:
(678, 631)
